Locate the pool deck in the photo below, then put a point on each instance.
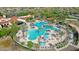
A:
(53, 39)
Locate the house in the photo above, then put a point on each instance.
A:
(4, 22)
(26, 17)
(13, 19)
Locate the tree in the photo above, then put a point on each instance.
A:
(22, 13)
(9, 31)
(13, 30)
(36, 45)
(30, 44)
(2, 32)
(1, 14)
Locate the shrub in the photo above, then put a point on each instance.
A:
(30, 44)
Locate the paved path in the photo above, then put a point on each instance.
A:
(76, 27)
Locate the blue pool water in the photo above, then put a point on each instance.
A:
(42, 44)
(32, 34)
(50, 28)
(46, 36)
(39, 24)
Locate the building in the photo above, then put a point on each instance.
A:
(4, 22)
(13, 19)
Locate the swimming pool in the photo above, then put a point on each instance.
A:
(39, 24)
(33, 34)
(42, 44)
